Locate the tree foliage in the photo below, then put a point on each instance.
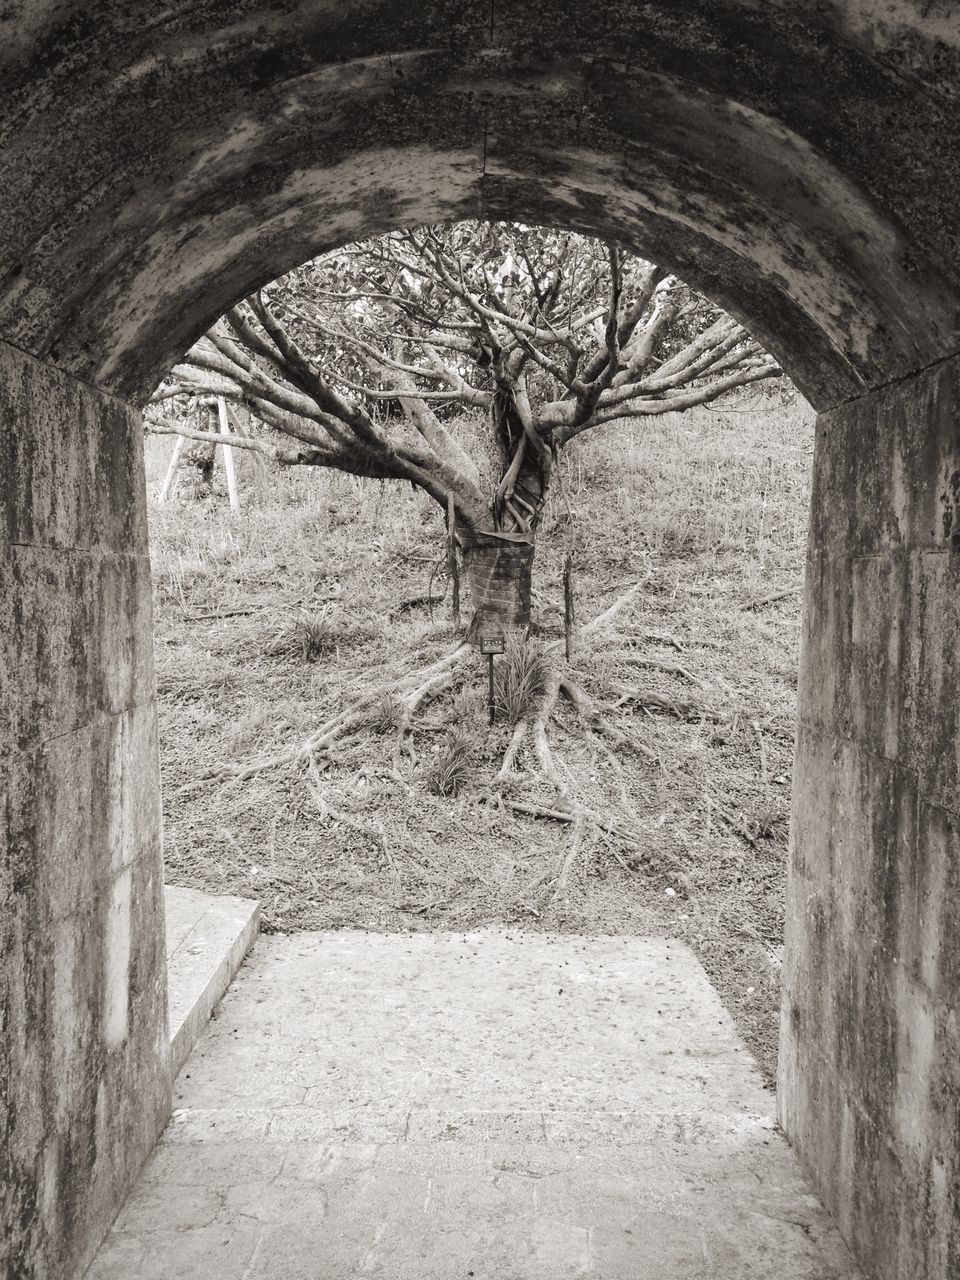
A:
(366, 359)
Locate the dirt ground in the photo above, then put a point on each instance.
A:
(271, 620)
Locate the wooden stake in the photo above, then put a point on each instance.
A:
(228, 463)
(179, 445)
(452, 561)
(569, 614)
(261, 467)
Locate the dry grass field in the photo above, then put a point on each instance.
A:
(270, 621)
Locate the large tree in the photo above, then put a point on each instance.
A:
(381, 359)
(366, 360)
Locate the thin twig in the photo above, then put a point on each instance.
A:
(760, 601)
(669, 668)
(222, 613)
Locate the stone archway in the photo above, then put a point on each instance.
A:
(800, 168)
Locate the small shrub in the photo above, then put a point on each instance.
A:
(520, 677)
(450, 769)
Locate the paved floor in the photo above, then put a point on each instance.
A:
(501, 1106)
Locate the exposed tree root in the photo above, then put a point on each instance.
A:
(513, 748)
(576, 843)
(591, 716)
(682, 710)
(668, 668)
(604, 619)
(535, 726)
(411, 693)
(398, 702)
(557, 683)
(735, 825)
(573, 814)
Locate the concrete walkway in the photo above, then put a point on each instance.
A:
(499, 1106)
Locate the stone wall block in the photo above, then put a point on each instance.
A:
(813, 1110)
(930, 928)
(870, 1054)
(148, 955)
(73, 795)
(28, 992)
(140, 807)
(874, 1169)
(51, 641)
(824, 693)
(72, 1032)
(24, 987)
(123, 640)
(861, 1035)
(842, 933)
(929, 1228)
(924, 1132)
(811, 903)
(812, 979)
(46, 469)
(816, 758)
(931, 678)
(80, 637)
(832, 520)
(857, 512)
(887, 469)
(95, 806)
(879, 639)
(74, 475)
(132, 1104)
(119, 515)
(83, 1028)
(19, 822)
(924, 418)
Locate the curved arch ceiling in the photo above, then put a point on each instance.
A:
(802, 169)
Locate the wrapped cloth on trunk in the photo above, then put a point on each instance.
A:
(498, 568)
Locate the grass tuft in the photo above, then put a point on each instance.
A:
(520, 677)
(316, 635)
(450, 769)
(386, 714)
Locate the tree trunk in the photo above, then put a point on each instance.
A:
(498, 569)
(498, 562)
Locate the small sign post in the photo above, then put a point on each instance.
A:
(491, 645)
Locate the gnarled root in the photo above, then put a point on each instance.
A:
(535, 727)
(420, 689)
(591, 717)
(411, 692)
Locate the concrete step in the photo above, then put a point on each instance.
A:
(503, 1106)
(207, 939)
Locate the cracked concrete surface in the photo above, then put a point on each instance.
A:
(496, 1105)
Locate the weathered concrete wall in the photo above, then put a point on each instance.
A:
(84, 1057)
(870, 1039)
(799, 163)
